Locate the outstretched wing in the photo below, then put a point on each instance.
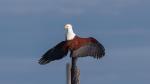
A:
(56, 53)
(92, 48)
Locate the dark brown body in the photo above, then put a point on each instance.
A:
(77, 42)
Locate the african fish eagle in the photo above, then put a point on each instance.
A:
(79, 47)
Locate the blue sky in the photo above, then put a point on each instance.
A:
(28, 28)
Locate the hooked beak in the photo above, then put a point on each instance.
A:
(65, 27)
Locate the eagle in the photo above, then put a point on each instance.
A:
(77, 46)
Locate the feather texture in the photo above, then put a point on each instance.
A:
(92, 48)
(56, 53)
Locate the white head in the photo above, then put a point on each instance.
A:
(68, 26)
(70, 34)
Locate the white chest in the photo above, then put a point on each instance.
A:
(70, 36)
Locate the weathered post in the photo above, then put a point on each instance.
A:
(68, 71)
(75, 72)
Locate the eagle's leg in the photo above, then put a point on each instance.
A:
(74, 72)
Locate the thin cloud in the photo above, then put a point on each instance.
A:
(127, 32)
(65, 6)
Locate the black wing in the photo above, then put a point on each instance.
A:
(94, 49)
(56, 53)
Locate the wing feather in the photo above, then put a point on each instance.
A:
(94, 49)
(55, 53)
